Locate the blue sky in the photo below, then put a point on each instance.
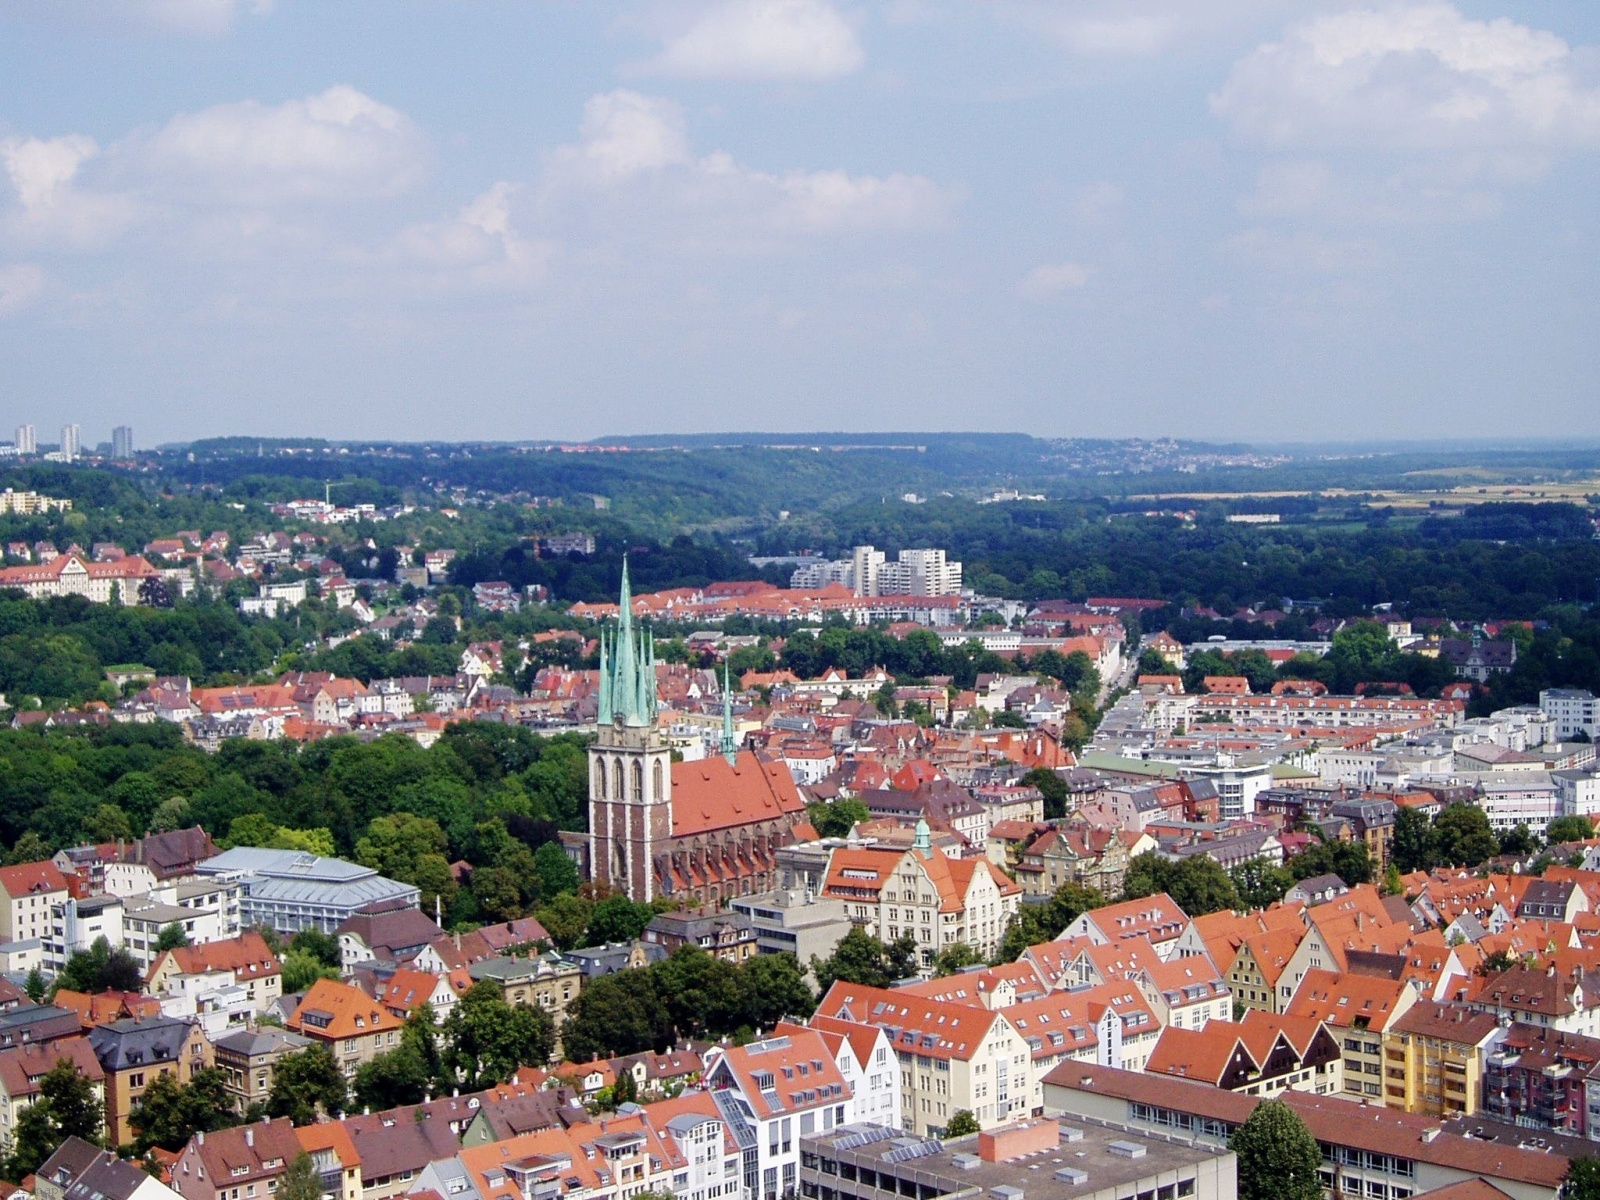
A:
(1260, 219)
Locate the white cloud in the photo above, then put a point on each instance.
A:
(337, 145)
(42, 172)
(764, 39)
(479, 245)
(20, 285)
(1419, 78)
(1053, 279)
(635, 149)
(625, 133)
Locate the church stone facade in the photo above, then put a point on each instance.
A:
(707, 830)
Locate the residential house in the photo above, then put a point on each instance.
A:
(1545, 997)
(79, 1171)
(770, 1094)
(548, 981)
(730, 936)
(248, 1059)
(1360, 1009)
(1434, 1056)
(951, 1057)
(22, 1068)
(349, 1023)
(133, 1052)
(28, 892)
(1156, 918)
(244, 962)
(246, 1162)
(937, 900)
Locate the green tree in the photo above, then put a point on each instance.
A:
(101, 969)
(301, 970)
(1569, 829)
(34, 986)
(323, 947)
(1053, 788)
(1197, 884)
(858, 958)
(1348, 860)
(300, 1181)
(1033, 925)
(1412, 848)
(618, 919)
(954, 957)
(1278, 1157)
(962, 1124)
(1461, 836)
(171, 937)
(108, 823)
(1582, 1181)
(390, 1080)
(168, 1114)
(1260, 883)
(486, 1039)
(838, 818)
(66, 1107)
(1518, 841)
(558, 874)
(498, 893)
(306, 1082)
(565, 919)
(621, 1013)
(774, 988)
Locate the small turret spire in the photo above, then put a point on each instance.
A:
(730, 747)
(923, 839)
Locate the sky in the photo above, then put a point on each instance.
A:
(1273, 220)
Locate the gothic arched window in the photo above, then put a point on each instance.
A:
(599, 779)
(618, 787)
(658, 786)
(638, 780)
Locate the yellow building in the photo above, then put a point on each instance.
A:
(1433, 1059)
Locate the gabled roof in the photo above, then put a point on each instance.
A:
(332, 1010)
(913, 1023)
(1343, 1000)
(710, 793)
(1206, 1055)
(247, 956)
(786, 1074)
(35, 878)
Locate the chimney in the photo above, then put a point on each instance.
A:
(249, 1137)
(200, 1138)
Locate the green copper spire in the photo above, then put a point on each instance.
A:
(628, 671)
(730, 747)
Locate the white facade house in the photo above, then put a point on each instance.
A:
(75, 925)
(1573, 711)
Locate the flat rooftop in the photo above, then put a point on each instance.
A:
(1108, 1156)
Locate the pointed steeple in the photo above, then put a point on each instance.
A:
(730, 748)
(627, 668)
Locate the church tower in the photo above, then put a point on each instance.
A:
(630, 767)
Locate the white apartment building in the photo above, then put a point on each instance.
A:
(75, 925)
(208, 910)
(868, 572)
(1573, 711)
(868, 1064)
(772, 1093)
(951, 1057)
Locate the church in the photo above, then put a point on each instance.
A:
(706, 831)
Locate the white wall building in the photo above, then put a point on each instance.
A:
(1573, 711)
